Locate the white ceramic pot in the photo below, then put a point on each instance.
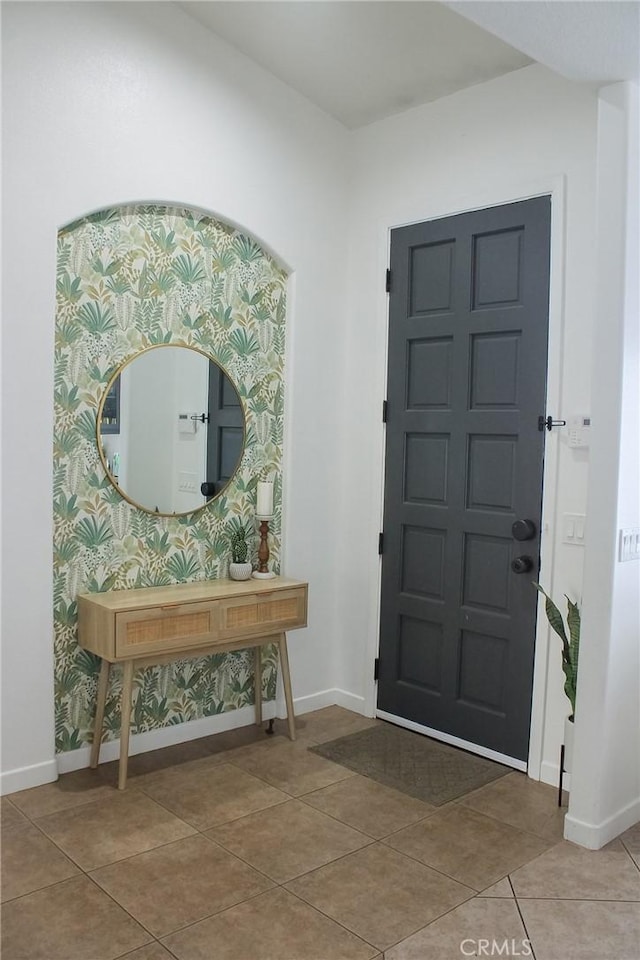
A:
(240, 571)
(568, 744)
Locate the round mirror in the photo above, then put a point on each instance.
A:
(171, 430)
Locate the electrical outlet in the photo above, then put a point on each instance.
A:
(629, 544)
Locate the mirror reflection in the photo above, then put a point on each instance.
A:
(170, 429)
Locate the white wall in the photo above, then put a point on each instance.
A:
(605, 795)
(526, 133)
(112, 103)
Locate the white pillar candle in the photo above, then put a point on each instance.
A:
(264, 500)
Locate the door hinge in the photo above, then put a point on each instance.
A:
(376, 668)
(385, 410)
(387, 283)
(550, 423)
(380, 543)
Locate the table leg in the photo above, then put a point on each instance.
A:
(257, 680)
(103, 683)
(286, 680)
(125, 722)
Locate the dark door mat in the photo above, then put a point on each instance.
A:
(412, 763)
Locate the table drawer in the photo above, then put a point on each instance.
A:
(264, 613)
(169, 627)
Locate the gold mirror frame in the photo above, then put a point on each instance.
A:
(114, 377)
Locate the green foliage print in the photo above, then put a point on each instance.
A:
(128, 278)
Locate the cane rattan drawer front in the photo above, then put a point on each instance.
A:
(256, 615)
(166, 628)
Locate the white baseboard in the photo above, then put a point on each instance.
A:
(166, 736)
(25, 777)
(549, 773)
(34, 776)
(325, 698)
(593, 836)
(313, 701)
(330, 698)
(350, 701)
(206, 727)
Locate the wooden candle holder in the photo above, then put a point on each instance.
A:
(263, 572)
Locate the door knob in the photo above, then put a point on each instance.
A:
(522, 565)
(523, 530)
(208, 489)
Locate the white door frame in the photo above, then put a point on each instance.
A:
(555, 187)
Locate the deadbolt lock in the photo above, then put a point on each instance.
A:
(523, 530)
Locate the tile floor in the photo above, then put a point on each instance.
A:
(245, 847)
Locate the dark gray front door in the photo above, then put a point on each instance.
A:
(468, 324)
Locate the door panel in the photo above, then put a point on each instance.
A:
(225, 434)
(468, 325)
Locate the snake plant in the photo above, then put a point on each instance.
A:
(570, 644)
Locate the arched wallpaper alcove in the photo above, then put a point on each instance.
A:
(128, 278)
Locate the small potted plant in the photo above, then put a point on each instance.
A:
(570, 650)
(239, 568)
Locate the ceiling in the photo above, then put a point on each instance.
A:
(585, 40)
(363, 60)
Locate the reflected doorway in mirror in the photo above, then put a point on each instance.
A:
(163, 448)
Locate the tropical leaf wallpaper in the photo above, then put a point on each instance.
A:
(129, 278)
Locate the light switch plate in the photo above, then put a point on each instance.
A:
(187, 482)
(629, 544)
(573, 525)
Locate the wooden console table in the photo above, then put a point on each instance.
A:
(147, 627)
